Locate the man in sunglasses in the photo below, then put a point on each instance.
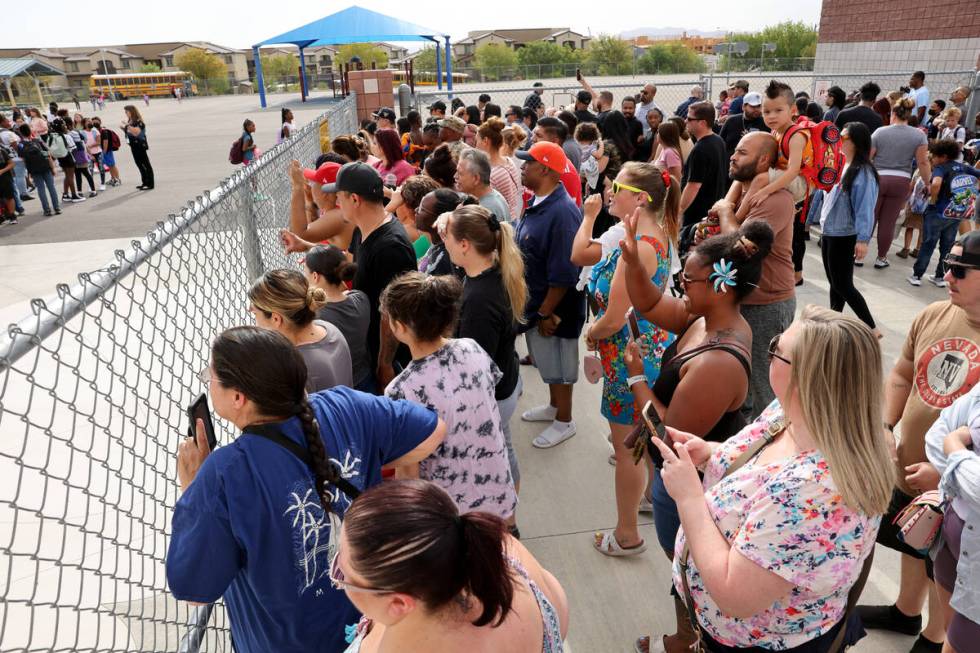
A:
(940, 362)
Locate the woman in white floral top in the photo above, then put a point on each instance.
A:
(455, 378)
(776, 545)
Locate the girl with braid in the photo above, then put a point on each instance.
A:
(258, 519)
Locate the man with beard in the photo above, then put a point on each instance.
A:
(633, 126)
(769, 309)
(750, 120)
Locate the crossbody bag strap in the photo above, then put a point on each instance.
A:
(270, 432)
(774, 429)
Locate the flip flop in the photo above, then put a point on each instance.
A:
(606, 544)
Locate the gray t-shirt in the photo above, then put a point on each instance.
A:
(573, 152)
(497, 205)
(327, 361)
(895, 147)
(353, 317)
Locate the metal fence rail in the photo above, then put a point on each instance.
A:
(93, 388)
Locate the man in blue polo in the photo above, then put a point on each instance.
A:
(555, 310)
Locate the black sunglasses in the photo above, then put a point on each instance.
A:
(773, 353)
(957, 269)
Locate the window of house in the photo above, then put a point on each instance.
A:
(228, 58)
(168, 61)
(73, 66)
(569, 44)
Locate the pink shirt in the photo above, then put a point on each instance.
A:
(402, 171)
(506, 180)
(668, 158)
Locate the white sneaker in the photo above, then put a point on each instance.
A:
(101, 187)
(646, 505)
(556, 433)
(914, 280)
(544, 413)
(938, 282)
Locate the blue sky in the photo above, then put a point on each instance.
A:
(242, 23)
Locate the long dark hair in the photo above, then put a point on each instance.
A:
(408, 536)
(265, 367)
(473, 115)
(745, 249)
(615, 129)
(860, 137)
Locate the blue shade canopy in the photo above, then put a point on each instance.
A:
(13, 67)
(353, 25)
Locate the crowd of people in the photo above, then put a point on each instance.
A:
(371, 500)
(37, 147)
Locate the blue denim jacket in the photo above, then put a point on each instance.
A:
(848, 215)
(960, 483)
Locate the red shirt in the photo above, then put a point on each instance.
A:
(572, 182)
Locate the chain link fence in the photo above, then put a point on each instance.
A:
(94, 384)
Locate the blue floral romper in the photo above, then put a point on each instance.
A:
(618, 405)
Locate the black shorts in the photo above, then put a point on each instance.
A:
(67, 161)
(888, 532)
(7, 191)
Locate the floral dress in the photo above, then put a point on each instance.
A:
(618, 405)
(788, 517)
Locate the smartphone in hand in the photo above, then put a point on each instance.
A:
(199, 410)
(634, 325)
(578, 74)
(655, 428)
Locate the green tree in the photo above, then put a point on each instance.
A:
(495, 61)
(609, 55)
(150, 68)
(426, 60)
(208, 69)
(669, 58)
(279, 68)
(546, 59)
(366, 52)
(793, 39)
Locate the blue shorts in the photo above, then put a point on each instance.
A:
(556, 358)
(109, 158)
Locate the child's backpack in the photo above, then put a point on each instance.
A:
(112, 137)
(823, 169)
(962, 189)
(237, 153)
(59, 145)
(35, 157)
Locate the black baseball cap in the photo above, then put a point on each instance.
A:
(386, 113)
(971, 251)
(359, 178)
(438, 105)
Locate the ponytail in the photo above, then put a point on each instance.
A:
(672, 210)
(408, 536)
(323, 472)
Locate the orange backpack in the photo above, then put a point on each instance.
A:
(823, 169)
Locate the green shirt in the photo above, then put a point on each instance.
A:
(421, 246)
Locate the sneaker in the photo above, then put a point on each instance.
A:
(13, 220)
(65, 197)
(57, 211)
(102, 186)
(881, 263)
(544, 413)
(92, 194)
(4, 221)
(858, 264)
(77, 199)
(888, 617)
(20, 212)
(48, 213)
(556, 433)
(914, 280)
(923, 645)
(646, 505)
(26, 198)
(938, 282)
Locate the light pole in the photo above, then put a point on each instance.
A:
(105, 71)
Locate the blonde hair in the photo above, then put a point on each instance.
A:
(836, 369)
(952, 112)
(649, 178)
(476, 224)
(903, 109)
(288, 293)
(513, 138)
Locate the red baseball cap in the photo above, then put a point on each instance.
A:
(325, 174)
(547, 154)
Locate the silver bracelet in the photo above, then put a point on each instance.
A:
(639, 378)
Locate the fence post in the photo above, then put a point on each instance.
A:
(248, 222)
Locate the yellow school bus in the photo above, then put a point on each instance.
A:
(160, 84)
(423, 78)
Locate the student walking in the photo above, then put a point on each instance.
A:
(135, 131)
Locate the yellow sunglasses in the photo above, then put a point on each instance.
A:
(616, 187)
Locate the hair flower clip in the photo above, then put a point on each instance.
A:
(724, 275)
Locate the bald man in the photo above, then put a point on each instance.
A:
(645, 104)
(770, 308)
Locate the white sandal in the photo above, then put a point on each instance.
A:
(606, 544)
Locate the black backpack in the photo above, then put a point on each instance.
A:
(35, 157)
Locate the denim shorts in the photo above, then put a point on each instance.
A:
(556, 358)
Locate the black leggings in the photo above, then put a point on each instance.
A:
(142, 160)
(82, 171)
(799, 242)
(838, 263)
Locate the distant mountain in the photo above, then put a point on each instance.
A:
(659, 32)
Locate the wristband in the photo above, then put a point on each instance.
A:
(636, 379)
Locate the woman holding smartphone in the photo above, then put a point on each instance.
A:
(704, 374)
(258, 519)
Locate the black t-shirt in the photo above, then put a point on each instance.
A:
(486, 317)
(862, 114)
(706, 165)
(736, 127)
(635, 130)
(584, 115)
(382, 256)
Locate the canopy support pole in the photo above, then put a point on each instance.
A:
(303, 88)
(37, 87)
(449, 69)
(258, 74)
(438, 68)
(10, 92)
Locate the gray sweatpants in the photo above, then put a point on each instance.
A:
(767, 321)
